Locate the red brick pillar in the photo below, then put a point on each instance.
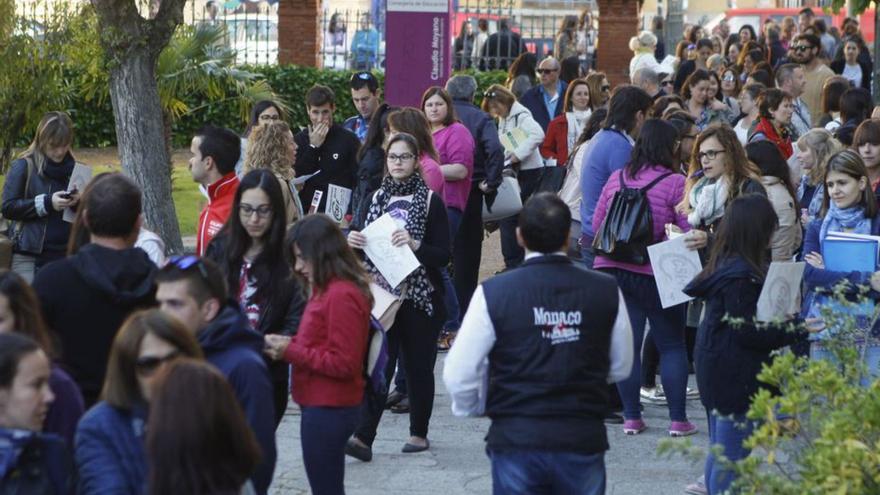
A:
(618, 22)
(299, 32)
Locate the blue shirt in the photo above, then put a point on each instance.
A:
(609, 150)
(358, 125)
(549, 102)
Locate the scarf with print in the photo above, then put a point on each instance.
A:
(708, 198)
(417, 286)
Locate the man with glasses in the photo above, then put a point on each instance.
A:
(193, 290)
(545, 100)
(86, 297)
(365, 96)
(805, 51)
(212, 164)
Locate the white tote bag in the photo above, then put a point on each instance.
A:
(507, 201)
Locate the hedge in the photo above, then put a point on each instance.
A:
(94, 119)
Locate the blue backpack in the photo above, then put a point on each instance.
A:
(376, 358)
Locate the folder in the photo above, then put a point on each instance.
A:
(850, 254)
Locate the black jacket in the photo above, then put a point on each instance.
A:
(85, 298)
(728, 358)
(28, 204)
(847, 131)
(336, 159)
(369, 177)
(488, 152)
(35, 464)
(500, 50)
(867, 70)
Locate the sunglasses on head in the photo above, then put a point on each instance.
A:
(363, 76)
(186, 262)
(147, 365)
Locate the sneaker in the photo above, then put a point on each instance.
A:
(692, 393)
(653, 395)
(696, 488)
(682, 429)
(634, 426)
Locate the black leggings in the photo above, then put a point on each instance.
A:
(414, 334)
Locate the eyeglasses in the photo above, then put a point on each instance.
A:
(710, 154)
(729, 77)
(489, 94)
(269, 116)
(546, 71)
(401, 158)
(262, 211)
(667, 83)
(802, 48)
(363, 76)
(147, 365)
(185, 262)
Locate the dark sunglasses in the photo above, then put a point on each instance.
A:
(185, 262)
(802, 48)
(667, 83)
(489, 94)
(606, 88)
(545, 71)
(147, 365)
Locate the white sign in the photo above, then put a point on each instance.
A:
(395, 263)
(316, 201)
(79, 179)
(780, 296)
(674, 267)
(338, 199)
(417, 6)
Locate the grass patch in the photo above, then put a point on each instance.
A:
(188, 200)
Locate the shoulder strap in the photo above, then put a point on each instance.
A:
(655, 182)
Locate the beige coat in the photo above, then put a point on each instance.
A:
(787, 238)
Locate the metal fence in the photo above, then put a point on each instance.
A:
(354, 39)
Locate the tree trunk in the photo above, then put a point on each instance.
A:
(140, 132)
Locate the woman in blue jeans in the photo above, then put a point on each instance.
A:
(729, 356)
(653, 168)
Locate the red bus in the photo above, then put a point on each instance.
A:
(756, 17)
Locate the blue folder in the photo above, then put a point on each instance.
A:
(850, 255)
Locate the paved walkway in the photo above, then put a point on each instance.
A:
(456, 463)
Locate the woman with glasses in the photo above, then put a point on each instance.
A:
(30, 462)
(600, 89)
(263, 112)
(110, 449)
(719, 173)
(412, 121)
(272, 148)
(423, 227)
(775, 108)
(730, 88)
(250, 251)
(705, 109)
(20, 313)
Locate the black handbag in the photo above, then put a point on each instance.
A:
(552, 179)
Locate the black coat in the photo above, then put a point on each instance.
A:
(500, 50)
(336, 159)
(728, 358)
(369, 177)
(488, 152)
(867, 70)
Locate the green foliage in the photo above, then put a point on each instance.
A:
(857, 6)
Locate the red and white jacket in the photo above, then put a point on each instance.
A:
(220, 197)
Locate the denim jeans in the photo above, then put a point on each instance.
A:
(729, 433)
(871, 358)
(667, 329)
(450, 298)
(550, 473)
(324, 432)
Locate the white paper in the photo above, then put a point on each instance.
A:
(79, 178)
(303, 178)
(382, 300)
(674, 267)
(780, 295)
(394, 263)
(338, 198)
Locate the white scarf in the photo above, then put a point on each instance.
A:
(707, 198)
(576, 121)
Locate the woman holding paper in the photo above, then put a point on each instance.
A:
(250, 251)
(655, 163)
(729, 355)
(422, 225)
(35, 196)
(848, 207)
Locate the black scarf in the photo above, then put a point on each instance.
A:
(417, 286)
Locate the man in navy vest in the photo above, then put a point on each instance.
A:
(551, 335)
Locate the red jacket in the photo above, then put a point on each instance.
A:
(220, 197)
(781, 139)
(555, 143)
(328, 352)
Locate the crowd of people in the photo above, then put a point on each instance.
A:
(751, 148)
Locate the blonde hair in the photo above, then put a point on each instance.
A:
(269, 147)
(822, 145)
(644, 41)
(55, 129)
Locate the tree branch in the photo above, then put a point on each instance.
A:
(162, 27)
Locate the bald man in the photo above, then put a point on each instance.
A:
(546, 100)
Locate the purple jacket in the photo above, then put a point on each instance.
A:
(663, 198)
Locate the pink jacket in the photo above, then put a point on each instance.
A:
(456, 145)
(663, 198)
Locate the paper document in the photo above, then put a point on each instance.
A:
(780, 296)
(338, 198)
(674, 267)
(79, 179)
(394, 263)
(512, 139)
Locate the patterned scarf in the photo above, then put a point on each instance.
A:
(708, 198)
(417, 286)
(816, 202)
(850, 219)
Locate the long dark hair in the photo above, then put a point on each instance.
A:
(25, 308)
(204, 449)
(376, 132)
(745, 231)
(770, 161)
(657, 144)
(260, 107)
(270, 269)
(442, 93)
(322, 244)
(413, 121)
(13, 348)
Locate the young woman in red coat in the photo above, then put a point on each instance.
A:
(563, 131)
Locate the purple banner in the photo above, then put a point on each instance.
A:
(417, 49)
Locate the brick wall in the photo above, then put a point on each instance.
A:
(618, 22)
(299, 32)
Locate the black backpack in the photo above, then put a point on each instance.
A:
(628, 227)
